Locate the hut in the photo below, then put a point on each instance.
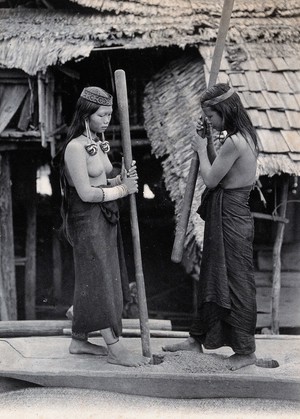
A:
(49, 50)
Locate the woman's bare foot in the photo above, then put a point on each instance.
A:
(236, 361)
(78, 347)
(119, 355)
(190, 344)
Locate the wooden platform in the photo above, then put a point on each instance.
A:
(46, 361)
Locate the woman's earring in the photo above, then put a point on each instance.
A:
(91, 148)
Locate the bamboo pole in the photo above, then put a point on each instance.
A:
(56, 327)
(178, 246)
(121, 90)
(276, 282)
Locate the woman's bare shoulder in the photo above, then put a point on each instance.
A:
(76, 144)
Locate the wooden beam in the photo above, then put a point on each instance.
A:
(30, 265)
(8, 300)
(42, 111)
(277, 257)
(270, 217)
(56, 327)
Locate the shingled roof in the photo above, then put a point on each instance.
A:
(33, 39)
(267, 79)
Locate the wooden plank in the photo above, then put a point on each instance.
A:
(11, 99)
(288, 279)
(263, 105)
(58, 368)
(294, 119)
(292, 80)
(263, 63)
(271, 141)
(255, 82)
(264, 120)
(278, 120)
(273, 100)
(42, 111)
(237, 80)
(8, 300)
(289, 101)
(30, 264)
(280, 64)
(57, 267)
(276, 82)
(250, 99)
(294, 156)
(292, 138)
(289, 310)
(255, 117)
(293, 63)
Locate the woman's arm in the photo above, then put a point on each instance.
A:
(75, 160)
(204, 130)
(212, 174)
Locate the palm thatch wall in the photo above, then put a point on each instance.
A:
(171, 108)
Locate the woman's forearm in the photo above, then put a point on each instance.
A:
(211, 151)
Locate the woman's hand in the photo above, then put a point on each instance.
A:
(131, 173)
(201, 126)
(199, 144)
(131, 184)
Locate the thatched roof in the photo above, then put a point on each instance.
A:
(267, 79)
(32, 39)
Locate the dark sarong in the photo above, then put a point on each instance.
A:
(101, 282)
(226, 295)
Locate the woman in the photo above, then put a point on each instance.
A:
(91, 224)
(226, 295)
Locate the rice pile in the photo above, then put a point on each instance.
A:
(188, 362)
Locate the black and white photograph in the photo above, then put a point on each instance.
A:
(149, 209)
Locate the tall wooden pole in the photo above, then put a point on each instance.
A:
(8, 292)
(121, 89)
(178, 246)
(276, 285)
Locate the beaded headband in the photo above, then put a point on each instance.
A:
(97, 95)
(210, 102)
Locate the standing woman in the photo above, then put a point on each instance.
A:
(91, 224)
(226, 294)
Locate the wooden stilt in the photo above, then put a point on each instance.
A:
(8, 300)
(57, 268)
(276, 285)
(30, 265)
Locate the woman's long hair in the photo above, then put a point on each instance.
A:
(84, 109)
(234, 115)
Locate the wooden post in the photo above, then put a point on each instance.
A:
(276, 284)
(50, 111)
(30, 264)
(121, 90)
(8, 299)
(178, 247)
(42, 111)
